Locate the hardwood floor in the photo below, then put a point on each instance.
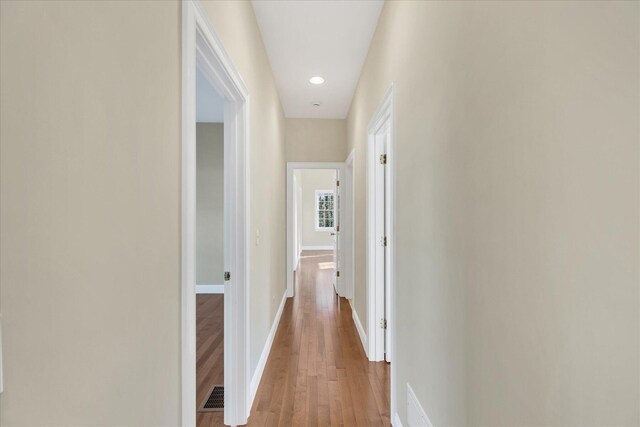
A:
(317, 373)
(209, 353)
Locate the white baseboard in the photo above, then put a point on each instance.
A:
(317, 248)
(416, 415)
(360, 329)
(255, 380)
(396, 421)
(209, 289)
(296, 264)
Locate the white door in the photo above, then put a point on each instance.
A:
(336, 234)
(380, 225)
(383, 245)
(297, 215)
(387, 247)
(381, 241)
(296, 224)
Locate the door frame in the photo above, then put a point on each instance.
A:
(348, 218)
(202, 49)
(296, 223)
(383, 116)
(291, 167)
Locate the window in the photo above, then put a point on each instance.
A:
(324, 210)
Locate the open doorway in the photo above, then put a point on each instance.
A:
(315, 219)
(381, 237)
(204, 59)
(209, 253)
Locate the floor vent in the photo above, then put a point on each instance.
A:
(214, 400)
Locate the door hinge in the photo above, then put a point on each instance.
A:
(384, 241)
(338, 183)
(338, 273)
(337, 228)
(227, 276)
(383, 323)
(383, 159)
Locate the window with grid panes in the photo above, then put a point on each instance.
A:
(324, 210)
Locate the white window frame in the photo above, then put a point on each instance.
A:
(317, 210)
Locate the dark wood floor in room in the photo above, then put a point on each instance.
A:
(209, 353)
(317, 373)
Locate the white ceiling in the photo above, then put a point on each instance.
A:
(318, 37)
(209, 104)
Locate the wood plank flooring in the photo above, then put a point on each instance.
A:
(317, 373)
(209, 353)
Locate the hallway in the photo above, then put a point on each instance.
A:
(159, 210)
(317, 372)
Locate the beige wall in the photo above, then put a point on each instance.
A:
(90, 206)
(517, 208)
(316, 140)
(210, 204)
(90, 213)
(237, 27)
(312, 180)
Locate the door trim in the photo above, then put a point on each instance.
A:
(384, 115)
(202, 49)
(291, 167)
(349, 238)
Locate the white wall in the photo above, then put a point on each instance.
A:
(209, 203)
(312, 180)
(517, 223)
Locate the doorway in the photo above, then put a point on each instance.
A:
(381, 237)
(209, 253)
(314, 218)
(203, 53)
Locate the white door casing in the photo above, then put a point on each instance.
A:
(202, 49)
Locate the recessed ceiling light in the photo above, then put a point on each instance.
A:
(316, 80)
